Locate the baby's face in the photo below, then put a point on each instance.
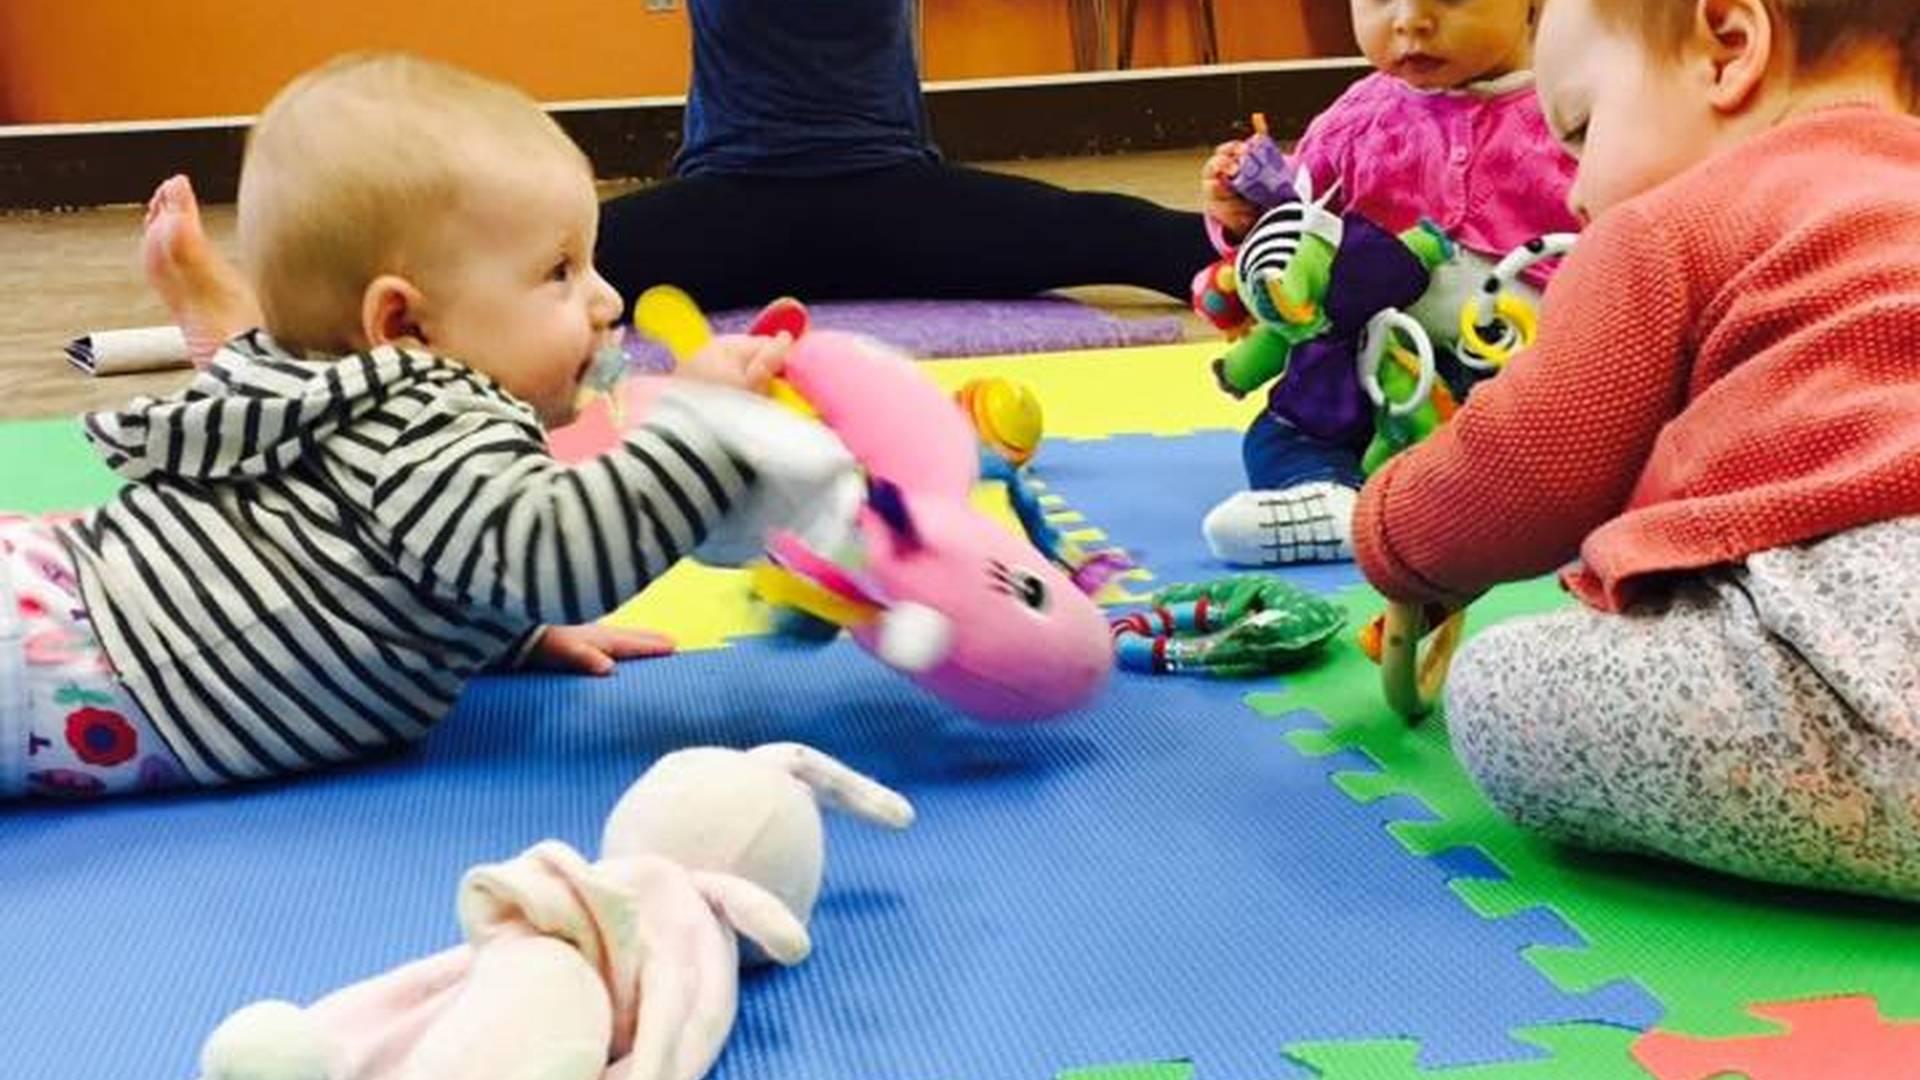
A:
(1443, 44)
(521, 301)
(1631, 118)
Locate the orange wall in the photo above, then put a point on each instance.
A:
(70, 60)
(78, 60)
(1248, 29)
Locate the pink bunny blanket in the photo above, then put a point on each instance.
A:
(621, 969)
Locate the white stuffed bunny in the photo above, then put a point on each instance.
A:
(749, 813)
(622, 969)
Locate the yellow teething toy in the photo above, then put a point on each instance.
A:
(669, 316)
(1006, 414)
(1514, 313)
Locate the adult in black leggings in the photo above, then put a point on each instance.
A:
(807, 171)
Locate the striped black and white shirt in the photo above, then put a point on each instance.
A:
(312, 557)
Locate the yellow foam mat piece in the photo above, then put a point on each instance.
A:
(1099, 393)
(698, 606)
(1095, 394)
(701, 607)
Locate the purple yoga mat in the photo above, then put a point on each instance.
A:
(947, 328)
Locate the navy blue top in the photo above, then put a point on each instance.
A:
(802, 88)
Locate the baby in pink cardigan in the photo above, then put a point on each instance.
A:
(1447, 129)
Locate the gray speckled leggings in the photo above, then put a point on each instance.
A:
(1761, 719)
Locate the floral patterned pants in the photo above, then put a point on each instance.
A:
(67, 727)
(1760, 719)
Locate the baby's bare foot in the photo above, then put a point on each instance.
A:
(204, 292)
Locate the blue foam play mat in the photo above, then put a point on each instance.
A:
(1161, 877)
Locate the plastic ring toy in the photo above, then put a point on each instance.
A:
(1496, 308)
(1379, 335)
(1518, 326)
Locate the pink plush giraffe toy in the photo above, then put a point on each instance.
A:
(925, 581)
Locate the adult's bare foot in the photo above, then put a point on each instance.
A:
(205, 293)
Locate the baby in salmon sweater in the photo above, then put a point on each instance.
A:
(1721, 422)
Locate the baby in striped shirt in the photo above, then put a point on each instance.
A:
(352, 510)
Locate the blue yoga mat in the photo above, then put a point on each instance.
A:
(1159, 877)
(1150, 494)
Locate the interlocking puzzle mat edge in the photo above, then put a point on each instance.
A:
(1703, 946)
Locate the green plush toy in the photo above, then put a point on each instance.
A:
(1234, 627)
(1285, 270)
(1409, 401)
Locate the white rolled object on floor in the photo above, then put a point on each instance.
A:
(121, 352)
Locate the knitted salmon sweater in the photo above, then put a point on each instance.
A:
(1729, 363)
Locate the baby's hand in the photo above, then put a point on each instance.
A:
(739, 361)
(1216, 174)
(807, 481)
(592, 649)
(1222, 203)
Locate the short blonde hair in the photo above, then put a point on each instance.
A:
(1822, 29)
(351, 170)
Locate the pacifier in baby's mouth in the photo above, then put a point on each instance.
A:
(604, 378)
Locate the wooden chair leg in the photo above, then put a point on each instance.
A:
(920, 35)
(1086, 48)
(1209, 34)
(1206, 29)
(1104, 36)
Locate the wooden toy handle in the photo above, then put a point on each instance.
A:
(1412, 677)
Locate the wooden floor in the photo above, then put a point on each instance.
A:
(65, 274)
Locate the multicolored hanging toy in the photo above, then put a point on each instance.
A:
(1414, 644)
